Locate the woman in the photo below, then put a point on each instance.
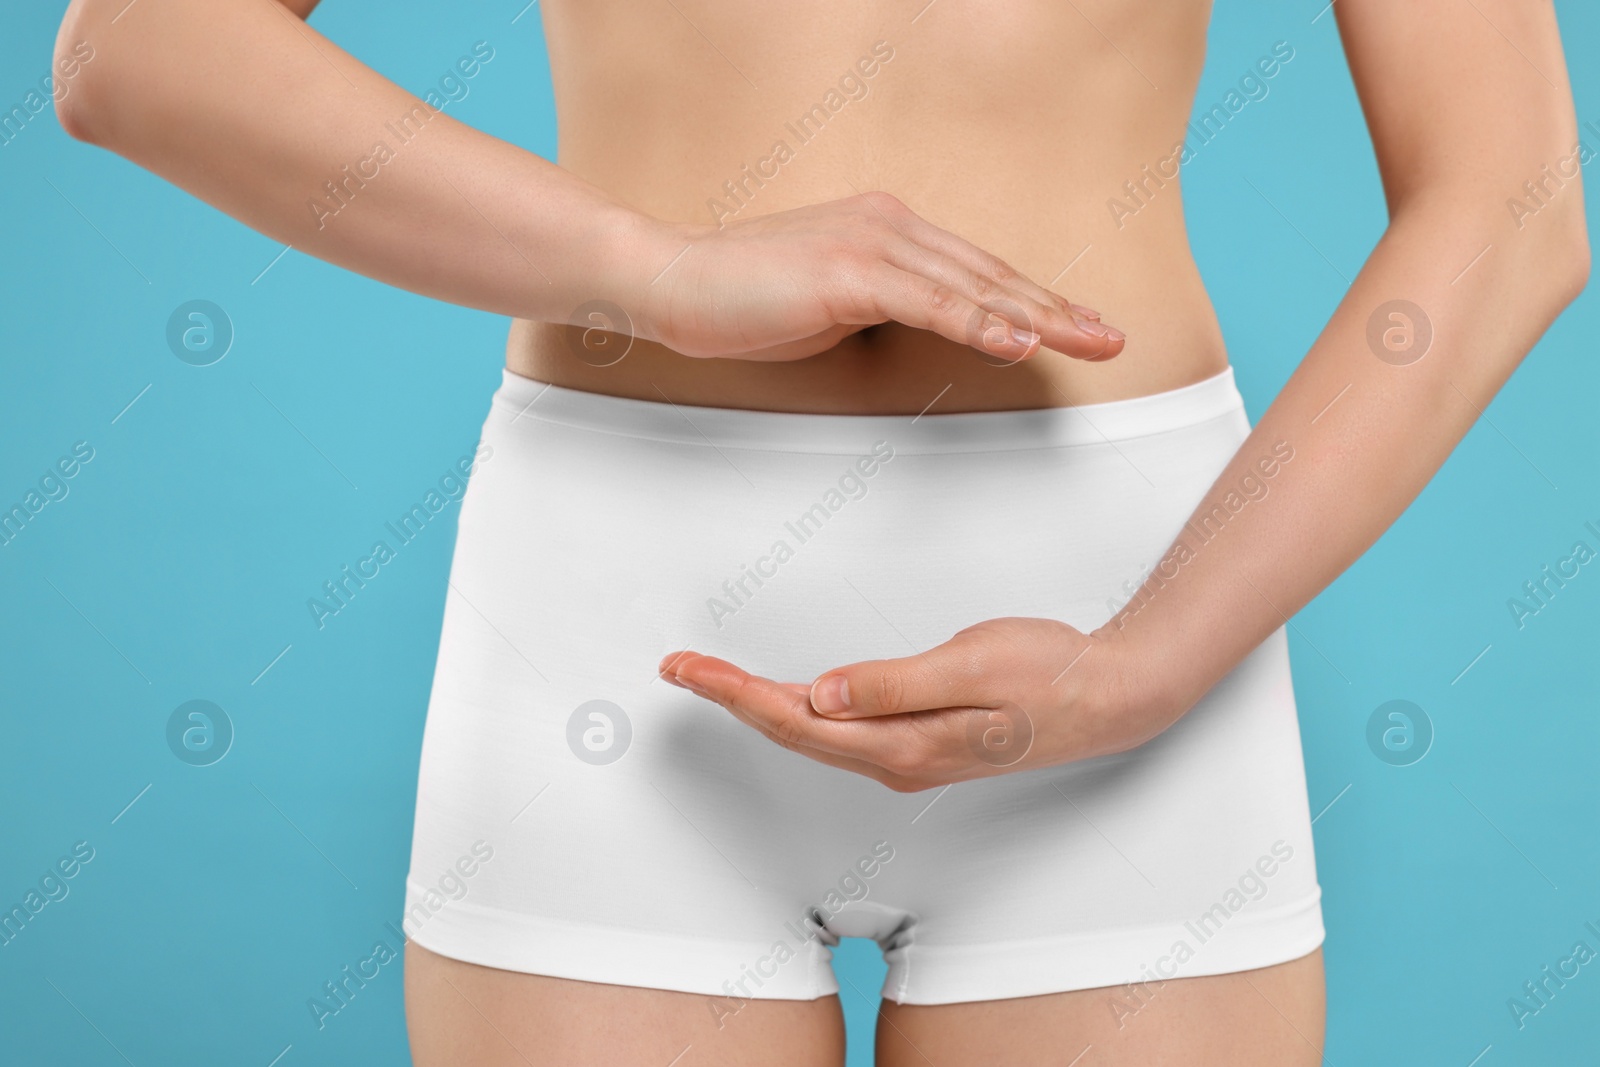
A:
(798, 413)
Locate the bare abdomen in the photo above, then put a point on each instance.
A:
(1013, 125)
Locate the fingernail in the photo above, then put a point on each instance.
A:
(1088, 313)
(831, 695)
(1096, 329)
(1115, 335)
(1023, 337)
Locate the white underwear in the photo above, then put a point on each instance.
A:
(579, 817)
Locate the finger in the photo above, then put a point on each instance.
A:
(783, 712)
(951, 675)
(1002, 327)
(1037, 312)
(668, 667)
(986, 263)
(982, 263)
(866, 768)
(1053, 321)
(904, 752)
(905, 221)
(885, 292)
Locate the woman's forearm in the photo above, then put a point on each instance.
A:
(1358, 430)
(259, 115)
(243, 105)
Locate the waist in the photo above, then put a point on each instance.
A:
(593, 509)
(880, 96)
(1153, 295)
(663, 420)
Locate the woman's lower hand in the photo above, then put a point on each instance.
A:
(795, 283)
(1005, 695)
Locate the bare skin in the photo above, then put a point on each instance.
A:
(1270, 1016)
(1033, 190)
(461, 1013)
(978, 168)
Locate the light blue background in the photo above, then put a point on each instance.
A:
(179, 566)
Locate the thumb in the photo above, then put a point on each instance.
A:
(946, 676)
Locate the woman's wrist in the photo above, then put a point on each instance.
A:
(641, 253)
(607, 266)
(1130, 693)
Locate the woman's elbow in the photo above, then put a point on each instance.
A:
(74, 115)
(1578, 278)
(1567, 255)
(1551, 241)
(75, 88)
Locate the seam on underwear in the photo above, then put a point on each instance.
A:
(1289, 911)
(818, 964)
(910, 923)
(1103, 442)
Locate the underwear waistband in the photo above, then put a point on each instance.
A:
(784, 431)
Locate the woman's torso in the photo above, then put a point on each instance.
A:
(1017, 125)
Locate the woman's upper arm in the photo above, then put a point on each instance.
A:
(1466, 93)
(162, 48)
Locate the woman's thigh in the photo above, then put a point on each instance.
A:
(461, 1013)
(1272, 1017)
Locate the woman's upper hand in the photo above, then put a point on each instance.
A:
(1005, 695)
(795, 283)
